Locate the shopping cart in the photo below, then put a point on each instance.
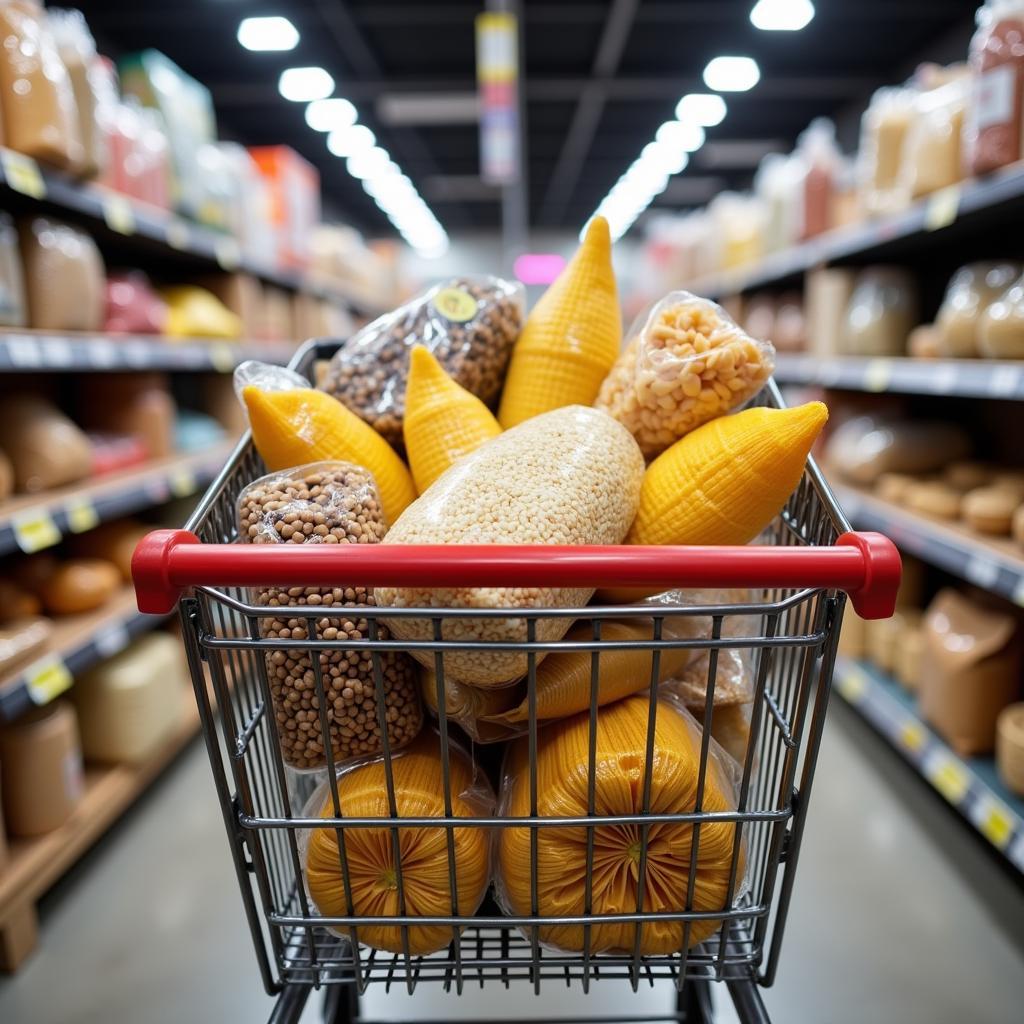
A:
(797, 581)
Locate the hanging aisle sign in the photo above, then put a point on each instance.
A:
(497, 74)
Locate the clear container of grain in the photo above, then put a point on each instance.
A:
(327, 503)
(881, 314)
(971, 291)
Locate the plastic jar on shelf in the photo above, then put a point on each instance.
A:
(818, 164)
(997, 86)
(971, 291)
(933, 158)
(738, 222)
(884, 129)
(1001, 326)
(777, 183)
(881, 313)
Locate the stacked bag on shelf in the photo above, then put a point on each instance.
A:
(577, 441)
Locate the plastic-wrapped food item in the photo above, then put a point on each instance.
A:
(1010, 747)
(997, 87)
(865, 447)
(777, 182)
(620, 756)
(38, 102)
(194, 312)
(685, 363)
(884, 129)
(151, 160)
(418, 777)
(790, 323)
(739, 227)
(133, 307)
(327, 503)
(64, 276)
(971, 290)
(477, 712)
(139, 405)
(819, 158)
(45, 448)
(730, 728)
(991, 509)
(469, 324)
(12, 283)
(933, 497)
(1000, 328)
(293, 424)
(77, 50)
(881, 313)
(79, 585)
(933, 157)
(22, 640)
(113, 541)
(571, 476)
(734, 679)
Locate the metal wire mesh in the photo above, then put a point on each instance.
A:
(790, 639)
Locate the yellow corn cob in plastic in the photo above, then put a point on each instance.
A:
(563, 680)
(292, 428)
(443, 421)
(725, 481)
(571, 339)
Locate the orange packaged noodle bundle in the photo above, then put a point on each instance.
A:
(418, 778)
(619, 763)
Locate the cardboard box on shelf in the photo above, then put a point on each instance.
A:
(294, 186)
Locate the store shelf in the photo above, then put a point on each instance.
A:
(989, 562)
(32, 522)
(32, 351)
(966, 378)
(970, 205)
(98, 206)
(34, 865)
(78, 643)
(971, 786)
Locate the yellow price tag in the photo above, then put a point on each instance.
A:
(177, 233)
(22, 174)
(877, 375)
(852, 684)
(35, 531)
(82, 515)
(183, 483)
(119, 215)
(223, 357)
(228, 254)
(912, 736)
(996, 825)
(942, 208)
(950, 779)
(47, 678)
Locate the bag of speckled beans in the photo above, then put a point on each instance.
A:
(326, 503)
(470, 325)
(685, 362)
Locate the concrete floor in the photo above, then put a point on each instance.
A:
(899, 916)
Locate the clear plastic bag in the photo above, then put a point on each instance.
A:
(418, 775)
(327, 503)
(570, 476)
(884, 129)
(562, 767)
(479, 713)
(881, 313)
(971, 290)
(686, 362)
(933, 156)
(1001, 330)
(734, 680)
(470, 325)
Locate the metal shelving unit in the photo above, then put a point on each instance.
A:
(969, 785)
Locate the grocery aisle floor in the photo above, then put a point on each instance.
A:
(149, 928)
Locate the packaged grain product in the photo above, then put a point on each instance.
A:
(881, 314)
(327, 503)
(64, 276)
(685, 362)
(561, 887)
(934, 498)
(997, 87)
(571, 476)
(194, 312)
(933, 157)
(733, 679)
(138, 405)
(1000, 330)
(38, 102)
(883, 134)
(13, 311)
(22, 640)
(469, 324)
(991, 509)
(79, 585)
(730, 728)
(114, 542)
(827, 296)
(45, 448)
(478, 712)
(371, 889)
(972, 290)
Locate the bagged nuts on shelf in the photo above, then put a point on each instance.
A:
(470, 325)
(327, 503)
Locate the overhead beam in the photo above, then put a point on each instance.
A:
(587, 116)
(408, 108)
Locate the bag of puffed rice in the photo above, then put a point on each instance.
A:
(685, 362)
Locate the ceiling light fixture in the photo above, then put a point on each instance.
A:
(681, 135)
(300, 85)
(732, 74)
(369, 163)
(267, 34)
(330, 114)
(704, 108)
(782, 15)
(346, 142)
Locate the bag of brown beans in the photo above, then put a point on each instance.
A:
(327, 503)
(469, 324)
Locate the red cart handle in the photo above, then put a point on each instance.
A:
(166, 562)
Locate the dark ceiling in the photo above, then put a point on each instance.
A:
(601, 75)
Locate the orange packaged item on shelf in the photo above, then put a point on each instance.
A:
(45, 448)
(41, 765)
(294, 192)
(64, 276)
(38, 102)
